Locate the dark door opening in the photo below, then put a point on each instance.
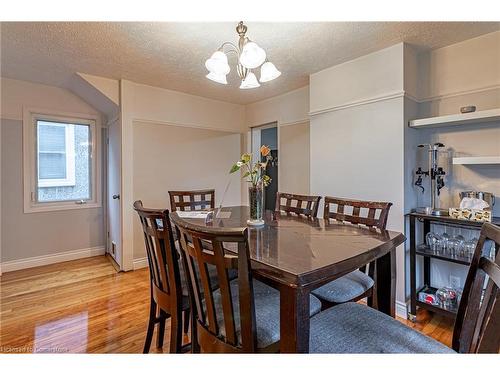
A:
(268, 135)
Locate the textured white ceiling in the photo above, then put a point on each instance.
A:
(172, 55)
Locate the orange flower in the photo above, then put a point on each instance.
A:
(265, 150)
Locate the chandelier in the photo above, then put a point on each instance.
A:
(250, 57)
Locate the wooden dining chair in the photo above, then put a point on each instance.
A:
(243, 315)
(357, 328)
(360, 283)
(302, 205)
(192, 200)
(167, 297)
(376, 212)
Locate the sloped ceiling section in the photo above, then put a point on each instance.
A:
(101, 93)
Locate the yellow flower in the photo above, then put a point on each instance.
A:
(245, 158)
(265, 150)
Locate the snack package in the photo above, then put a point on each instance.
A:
(470, 214)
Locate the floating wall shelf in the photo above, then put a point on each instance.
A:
(470, 160)
(489, 115)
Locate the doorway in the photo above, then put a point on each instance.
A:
(114, 248)
(267, 135)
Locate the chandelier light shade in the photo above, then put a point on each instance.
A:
(250, 56)
(268, 72)
(250, 82)
(219, 78)
(218, 63)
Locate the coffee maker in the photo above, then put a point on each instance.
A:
(436, 175)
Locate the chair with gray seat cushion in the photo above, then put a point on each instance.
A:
(167, 299)
(356, 328)
(360, 283)
(267, 312)
(243, 315)
(352, 286)
(212, 272)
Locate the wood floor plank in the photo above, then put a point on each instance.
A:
(85, 306)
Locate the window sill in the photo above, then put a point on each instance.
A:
(49, 207)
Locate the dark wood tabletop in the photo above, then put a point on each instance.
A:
(297, 255)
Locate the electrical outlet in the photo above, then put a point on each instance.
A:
(455, 282)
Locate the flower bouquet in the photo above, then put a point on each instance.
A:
(255, 174)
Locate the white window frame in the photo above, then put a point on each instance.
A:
(30, 155)
(70, 179)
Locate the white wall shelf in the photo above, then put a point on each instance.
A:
(489, 115)
(471, 160)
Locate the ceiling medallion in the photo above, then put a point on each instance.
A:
(250, 56)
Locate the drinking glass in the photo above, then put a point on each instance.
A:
(459, 246)
(469, 247)
(439, 245)
(431, 240)
(454, 246)
(445, 237)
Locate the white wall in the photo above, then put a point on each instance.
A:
(289, 108)
(147, 104)
(465, 67)
(38, 234)
(357, 136)
(181, 158)
(294, 158)
(176, 108)
(367, 78)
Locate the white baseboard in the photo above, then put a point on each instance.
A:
(140, 263)
(19, 264)
(401, 310)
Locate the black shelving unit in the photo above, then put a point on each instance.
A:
(417, 248)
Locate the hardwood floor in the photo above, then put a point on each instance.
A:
(85, 306)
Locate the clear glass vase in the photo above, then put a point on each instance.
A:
(256, 201)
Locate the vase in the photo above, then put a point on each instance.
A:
(256, 201)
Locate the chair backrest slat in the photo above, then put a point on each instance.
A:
(293, 204)
(217, 322)
(192, 200)
(212, 325)
(162, 256)
(477, 325)
(227, 306)
(335, 209)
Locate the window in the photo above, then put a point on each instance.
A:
(61, 169)
(56, 153)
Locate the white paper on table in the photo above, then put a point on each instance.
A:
(192, 214)
(224, 215)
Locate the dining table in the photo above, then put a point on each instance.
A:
(297, 254)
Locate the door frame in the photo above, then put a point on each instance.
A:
(268, 125)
